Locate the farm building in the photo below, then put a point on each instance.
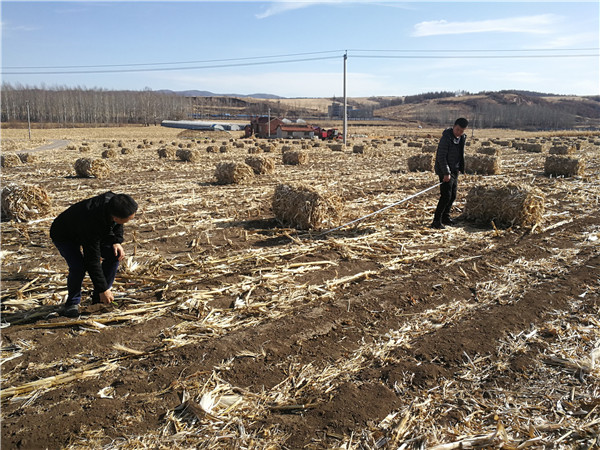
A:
(263, 127)
(300, 131)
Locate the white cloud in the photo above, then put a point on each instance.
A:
(527, 24)
(282, 6)
(589, 39)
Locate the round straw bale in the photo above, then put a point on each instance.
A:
(295, 158)
(482, 164)
(562, 150)
(254, 150)
(423, 162)
(211, 149)
(88, 167)
(261, 164)
(563, 166)
(24, 202)
(430, 148)
(336, 147)
(267, 148)
(189, 155)
(126, 151)
(505, 204)
(233, 173)
(305, 207)
(166, 152)
(10, 160)
(491, 151)
(27, 158)
(71, 147)
(84, 149)
(239, 145)
(286, 148)
(109, 153)
(224, 148)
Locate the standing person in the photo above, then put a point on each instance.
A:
(449, 161)
(94, 225)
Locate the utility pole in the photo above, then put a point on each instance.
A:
(269, 123)
(28, 119)
(345, 101)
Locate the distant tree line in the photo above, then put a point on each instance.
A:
(71, 106)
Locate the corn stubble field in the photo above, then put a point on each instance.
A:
(231, 330)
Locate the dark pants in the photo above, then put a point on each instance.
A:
(74, 257)
(447, 197)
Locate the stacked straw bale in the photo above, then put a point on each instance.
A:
(24, 202)
(10, 160)
(295, 158)
(505, 204)
(192, 156)
(109, 153)
(305, 207)
(530, 147)
(233, 173)
(422, 162)
(563, 166)
(27, 158)
(261, 164)
(88, 167)
(562, 150)
(430, 148)
(167, 152)
(491, 151)
(482, 164)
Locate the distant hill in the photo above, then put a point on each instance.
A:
(504, 109)
(195, 93)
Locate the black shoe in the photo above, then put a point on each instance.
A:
(448, 221)
(71, 311)
(438, 225)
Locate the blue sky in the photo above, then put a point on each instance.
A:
(181, 36)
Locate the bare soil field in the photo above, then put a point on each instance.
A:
(230, 330)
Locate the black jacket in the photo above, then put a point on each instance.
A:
(450, 157)
(89, 224)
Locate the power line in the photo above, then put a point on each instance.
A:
(472, 57)
(175, 62)
(161, 69)
(287, 55)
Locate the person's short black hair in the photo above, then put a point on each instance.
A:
(462, 122)
(122, 206)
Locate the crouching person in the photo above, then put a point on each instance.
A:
(88, 236)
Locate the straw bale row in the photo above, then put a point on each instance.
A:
(506, 205)
(261, 164)
(482, 164)
(305, 207)
(562, 150)
(10, 160)
(295, 158)
(88, 167)
(233, 173)
(24, 202)
(422, 162)
(563, 166)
